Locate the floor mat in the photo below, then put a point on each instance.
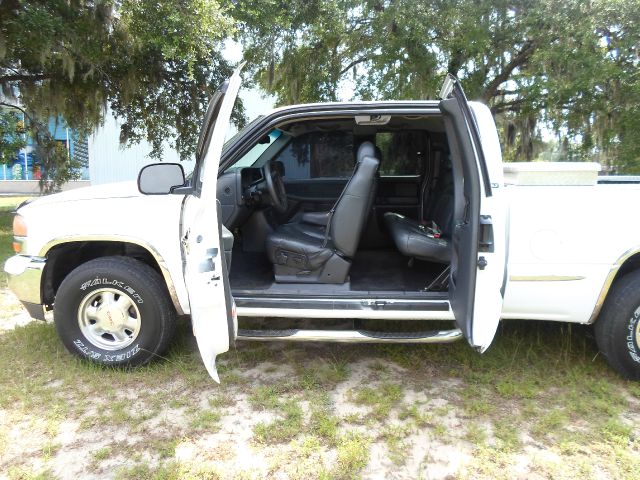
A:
(250, 271)
(388, 270)
(372, 270)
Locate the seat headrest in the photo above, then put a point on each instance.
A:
(366, 149)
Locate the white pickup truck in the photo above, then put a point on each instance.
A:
(385, 215)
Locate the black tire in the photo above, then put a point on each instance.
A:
(618, 327)
(142, 287)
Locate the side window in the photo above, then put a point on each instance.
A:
(403, 152)
(318, 155)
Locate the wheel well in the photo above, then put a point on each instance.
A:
(631, 264)
(63, 259)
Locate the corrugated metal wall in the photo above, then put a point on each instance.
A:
(109, 163)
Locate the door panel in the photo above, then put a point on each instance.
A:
(205, 275)
(315, 190)
(466, 213)
(477, 270)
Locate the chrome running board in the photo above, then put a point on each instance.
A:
(350, 336)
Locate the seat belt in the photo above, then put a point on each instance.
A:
(428, 212)
(425, 183)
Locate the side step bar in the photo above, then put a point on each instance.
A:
(351, 336)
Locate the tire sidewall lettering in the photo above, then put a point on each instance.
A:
(87, 351)
(108, 282)
(632, 340)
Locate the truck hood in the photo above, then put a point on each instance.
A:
(108, 190)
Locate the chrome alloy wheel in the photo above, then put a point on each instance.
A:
(109, 319)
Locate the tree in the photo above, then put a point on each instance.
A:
(569, 65)
(154, 63)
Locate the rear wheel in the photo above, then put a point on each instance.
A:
(618, 327)
(114, 311)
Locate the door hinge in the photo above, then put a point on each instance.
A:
(482, 263)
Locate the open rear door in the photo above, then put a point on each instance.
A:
(205, 274)
(478, 240)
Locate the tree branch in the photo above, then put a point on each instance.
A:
(21, 77)
(501, 107)
(17, 107)
(520, 58)
(353, 64)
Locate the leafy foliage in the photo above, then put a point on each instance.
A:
(11, 135)
(154, 63)
(567, 65)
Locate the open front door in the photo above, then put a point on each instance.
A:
(205, 274)
(478, 241)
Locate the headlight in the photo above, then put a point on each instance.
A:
(19, 233)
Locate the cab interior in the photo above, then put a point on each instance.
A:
(354, 206)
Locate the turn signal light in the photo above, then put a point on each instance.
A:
(19, 233)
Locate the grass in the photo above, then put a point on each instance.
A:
(7, 205)
(205, 420)
(380, 398)
(282, 429)
(352, 456)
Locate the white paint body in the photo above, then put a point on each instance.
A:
(575, 232)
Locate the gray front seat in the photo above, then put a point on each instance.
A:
(321, 254)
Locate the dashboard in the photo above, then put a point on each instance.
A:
(239, 193)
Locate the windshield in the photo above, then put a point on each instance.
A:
(239, 133)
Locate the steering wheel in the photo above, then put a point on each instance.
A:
(275, 187)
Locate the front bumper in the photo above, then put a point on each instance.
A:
(25, 276)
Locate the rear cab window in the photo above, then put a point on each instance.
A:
(318, 155)
(403, 152)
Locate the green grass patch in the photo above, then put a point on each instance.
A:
(394, 436)
(475, 434)
(381, 398)
(324, 374)
(205, 420)
(283, 429)
(352, 456)
(419, 415)
(102, 454)
(324, 425)
(508, 434)
(265, 397)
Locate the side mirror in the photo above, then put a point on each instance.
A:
(160, 178)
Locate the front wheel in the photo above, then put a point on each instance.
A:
(114, 311)
(618, 327)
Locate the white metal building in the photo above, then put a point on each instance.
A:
(108, 162)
